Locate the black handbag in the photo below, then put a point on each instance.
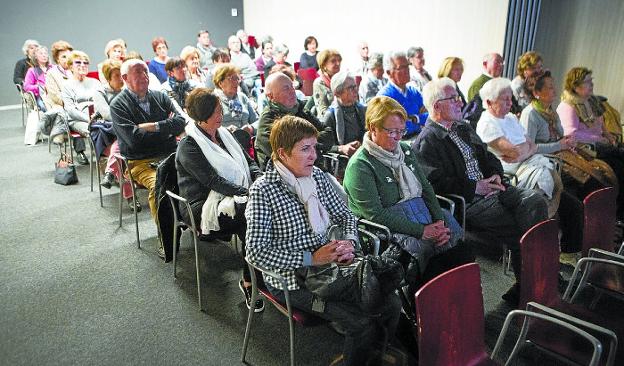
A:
(65, 171)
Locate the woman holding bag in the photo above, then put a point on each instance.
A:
(214, 174)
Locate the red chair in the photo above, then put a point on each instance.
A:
(358, 80)
(451, 326)
(539, 248)
(307, 77)
(93, 75)
(296, 66)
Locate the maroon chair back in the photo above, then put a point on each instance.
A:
(451, 324)
(599, 220)
(539, 248)
(93, 75)
(296, 66)
(358, 80)
(307, 77)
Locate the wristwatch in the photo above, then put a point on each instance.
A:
(156, 126)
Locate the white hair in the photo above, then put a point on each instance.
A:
(27, 44)
(125, 67)
(268, 84)
(433, 91)
(493, 89)
(281, 48)
(389, 57)
(338, 80)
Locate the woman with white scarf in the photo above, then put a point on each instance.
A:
(290, 210)
(385, 184)
(214, 174)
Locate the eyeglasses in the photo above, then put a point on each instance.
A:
(234, 78)
(351, 87)
(395, 131)
(80, 62)
(454, 98)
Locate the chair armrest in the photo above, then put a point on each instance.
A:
(600, 253)
(513, 179)
(374, 238)
(449, 202)
(281, 279)
(582, 269)
(385, 234)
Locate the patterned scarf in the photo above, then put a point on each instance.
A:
(233, 104)
(587, 110)
(550, 116)
(180, 89)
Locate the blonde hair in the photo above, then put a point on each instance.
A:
(526, 61)
(287, 131)
(379, 108)
(76, 55)
(447, 66)
(324, 56)
(188, 51)
(108, 66)
(112, 44)
(575, 77)
(222, 71)
(58, 47)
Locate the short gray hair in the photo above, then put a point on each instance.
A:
(338, 81)
(389, 57)
(375, 60)
(125, 67)
(493, 89)
(28, 43)
(281, 48)
(413, 51)
(433, 91)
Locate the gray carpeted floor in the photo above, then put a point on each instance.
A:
(75, 290)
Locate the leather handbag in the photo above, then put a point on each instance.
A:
(65, 171)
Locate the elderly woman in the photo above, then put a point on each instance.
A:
(214, 175)
(581, 115)
(344, 120)
(195, 75)
(238, 112)
(115, 50)
(35, 79)
(267, 54)
(290, 211)
(529, 64)
(177, 85)
(246, 65)
(385, 184)
(453, 68)
(329, 63)
(374, 79)
(22, 66)
(78, 92)
(280, 53)
(58, 74)
(308, 58)
(157, 65)
(506, 138)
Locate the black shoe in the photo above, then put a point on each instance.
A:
(108, 180)
(132, 204)
(258, 306)
(81, 158)
(512, 296)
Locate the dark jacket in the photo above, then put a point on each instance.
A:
(196, 177)
(333, 114)
(136, 143)
(166, 179)
(19, 73)
(268, 116)
(444, 164)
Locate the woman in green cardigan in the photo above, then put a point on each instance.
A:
(385, 184)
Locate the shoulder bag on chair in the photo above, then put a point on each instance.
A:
(65, 171)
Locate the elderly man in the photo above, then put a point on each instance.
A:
(396, 66)
(282, 101)
(418, 75)
(456, 161)
(146, 124)
(492, 68)
(205, 48)
(246, 47)
(361, 66)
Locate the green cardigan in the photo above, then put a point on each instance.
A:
(372, 190)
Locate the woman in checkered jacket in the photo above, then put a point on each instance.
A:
(289, 212)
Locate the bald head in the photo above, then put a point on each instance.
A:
(493, 64)
(279, 89)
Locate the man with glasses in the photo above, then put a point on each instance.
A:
(396, 66)
(456, 161)
(146, 124)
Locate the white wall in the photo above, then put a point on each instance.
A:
(467, 29)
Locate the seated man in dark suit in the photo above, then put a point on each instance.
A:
(456, 161)
(146, 124)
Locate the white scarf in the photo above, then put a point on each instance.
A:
(408, 183)
(305, 189)
(232, 166)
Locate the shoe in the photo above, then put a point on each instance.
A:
(570, 259)
(512, 296)
(258, 306)
(108, 180)
(81, 158)
(161, 252)
(136, 205)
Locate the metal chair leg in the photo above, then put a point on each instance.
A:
(121, 184)
(254, 297)
(199, 296)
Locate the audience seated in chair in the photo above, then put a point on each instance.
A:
(418, 75)
(35, 79)
(115, 50)
(205, 49)
(58, 74)
(374, 80)
(266, 56)
(453, 68)
(146, 124)
(308, 58)
(396, 66)
(456, 161)
(177, 86)
(251, 76)
(214, 175)
(238, 111)
(529, 64)
(195, 75)
(280, 53)
(289, 213)
(22, 66)
(157, 64)
(78, 92)
(385, 184)
(329, 64)
(219, 56)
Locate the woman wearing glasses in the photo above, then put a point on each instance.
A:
(385, 184)
(78, 92)
(238, 112)
(195, 74)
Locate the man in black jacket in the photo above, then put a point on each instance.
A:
(282, 101)
(146, 124)
(456, 161)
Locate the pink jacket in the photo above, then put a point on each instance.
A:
(573, 126)
(35, 78)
